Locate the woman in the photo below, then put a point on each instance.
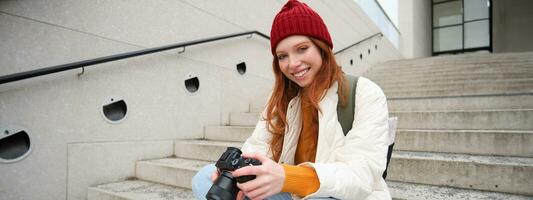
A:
(301, 145)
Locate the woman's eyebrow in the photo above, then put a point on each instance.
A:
(296, 45)
(301, 43)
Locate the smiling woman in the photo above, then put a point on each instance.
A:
(299, 59)
(298, 140)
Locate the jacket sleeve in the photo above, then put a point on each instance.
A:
(258, 142)
(358, 159)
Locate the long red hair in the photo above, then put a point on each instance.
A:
(284, 90)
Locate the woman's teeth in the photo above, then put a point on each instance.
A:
(301, 73)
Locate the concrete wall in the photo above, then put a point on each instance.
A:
(360, 59)
(73, 146)
(512, 28)
(415, 27)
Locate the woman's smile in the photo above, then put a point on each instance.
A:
(299, 59)
(300, 74)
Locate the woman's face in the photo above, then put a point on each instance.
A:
(299, 59)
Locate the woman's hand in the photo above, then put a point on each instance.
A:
(215, 175)
(269, 179)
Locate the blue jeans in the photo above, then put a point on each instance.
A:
(201, 183)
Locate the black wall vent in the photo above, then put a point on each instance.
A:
(115, 110)
(192, 84)
(14, 146)
(241, 68)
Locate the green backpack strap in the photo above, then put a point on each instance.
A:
(345, 113)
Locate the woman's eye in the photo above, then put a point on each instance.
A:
(281, 57)
(302, 49)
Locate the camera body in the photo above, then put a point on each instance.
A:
(231, 160)
(225, 186)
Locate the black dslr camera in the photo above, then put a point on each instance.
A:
(225, 186)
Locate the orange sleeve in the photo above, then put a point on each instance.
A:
(300, 180)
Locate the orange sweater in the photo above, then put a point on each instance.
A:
(302, 180)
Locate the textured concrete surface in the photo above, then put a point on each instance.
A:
(138, 190)
(494, 173)
(411, 191)
(202, 149)
(170, 171)
(479, 142)
(228, 133)
(97, 163)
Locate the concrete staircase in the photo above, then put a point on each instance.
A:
(465, 132)
(465, 125)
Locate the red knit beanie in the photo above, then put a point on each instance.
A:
(296, 18)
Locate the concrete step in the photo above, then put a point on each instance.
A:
(169, 171)
(138, 190)
(505, 119)
(243, 119)
(518, 101)
(202, 149)
(437, 93)
(448, 78)
(503, 85)
(490, 173)
(478, 142)
(412, 191)
(461, 60)
(452, 68)
(449, 61)
(497, 85)
(228, 133)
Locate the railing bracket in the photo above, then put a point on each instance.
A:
(183, 50)
(250, 36)
(82, 72)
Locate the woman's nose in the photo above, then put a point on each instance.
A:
(293, 62)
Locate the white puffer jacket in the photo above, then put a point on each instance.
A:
(348, 167)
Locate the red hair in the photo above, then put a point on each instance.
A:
(284, 90)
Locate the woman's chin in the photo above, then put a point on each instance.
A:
(302, 84)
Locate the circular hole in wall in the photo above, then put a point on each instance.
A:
(361, 56)
(192, 84)
(241, 68)
(14, 145)
(114, 110)
(376, 47)
(351, 61)
(369, 51)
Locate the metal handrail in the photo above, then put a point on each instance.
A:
(360, 41)
(85, 63)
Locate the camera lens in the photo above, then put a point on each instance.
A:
(224, 188)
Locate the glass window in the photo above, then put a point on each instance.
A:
(476, 9)
(477, 34)
(448, 38)
(447, 13)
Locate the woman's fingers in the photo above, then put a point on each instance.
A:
(250, 170)
(270, 177)
(256, 156)
(251, 185)
(240, 195)
(257, 192)
(214, 175)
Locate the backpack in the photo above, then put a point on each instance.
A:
(345, 114)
